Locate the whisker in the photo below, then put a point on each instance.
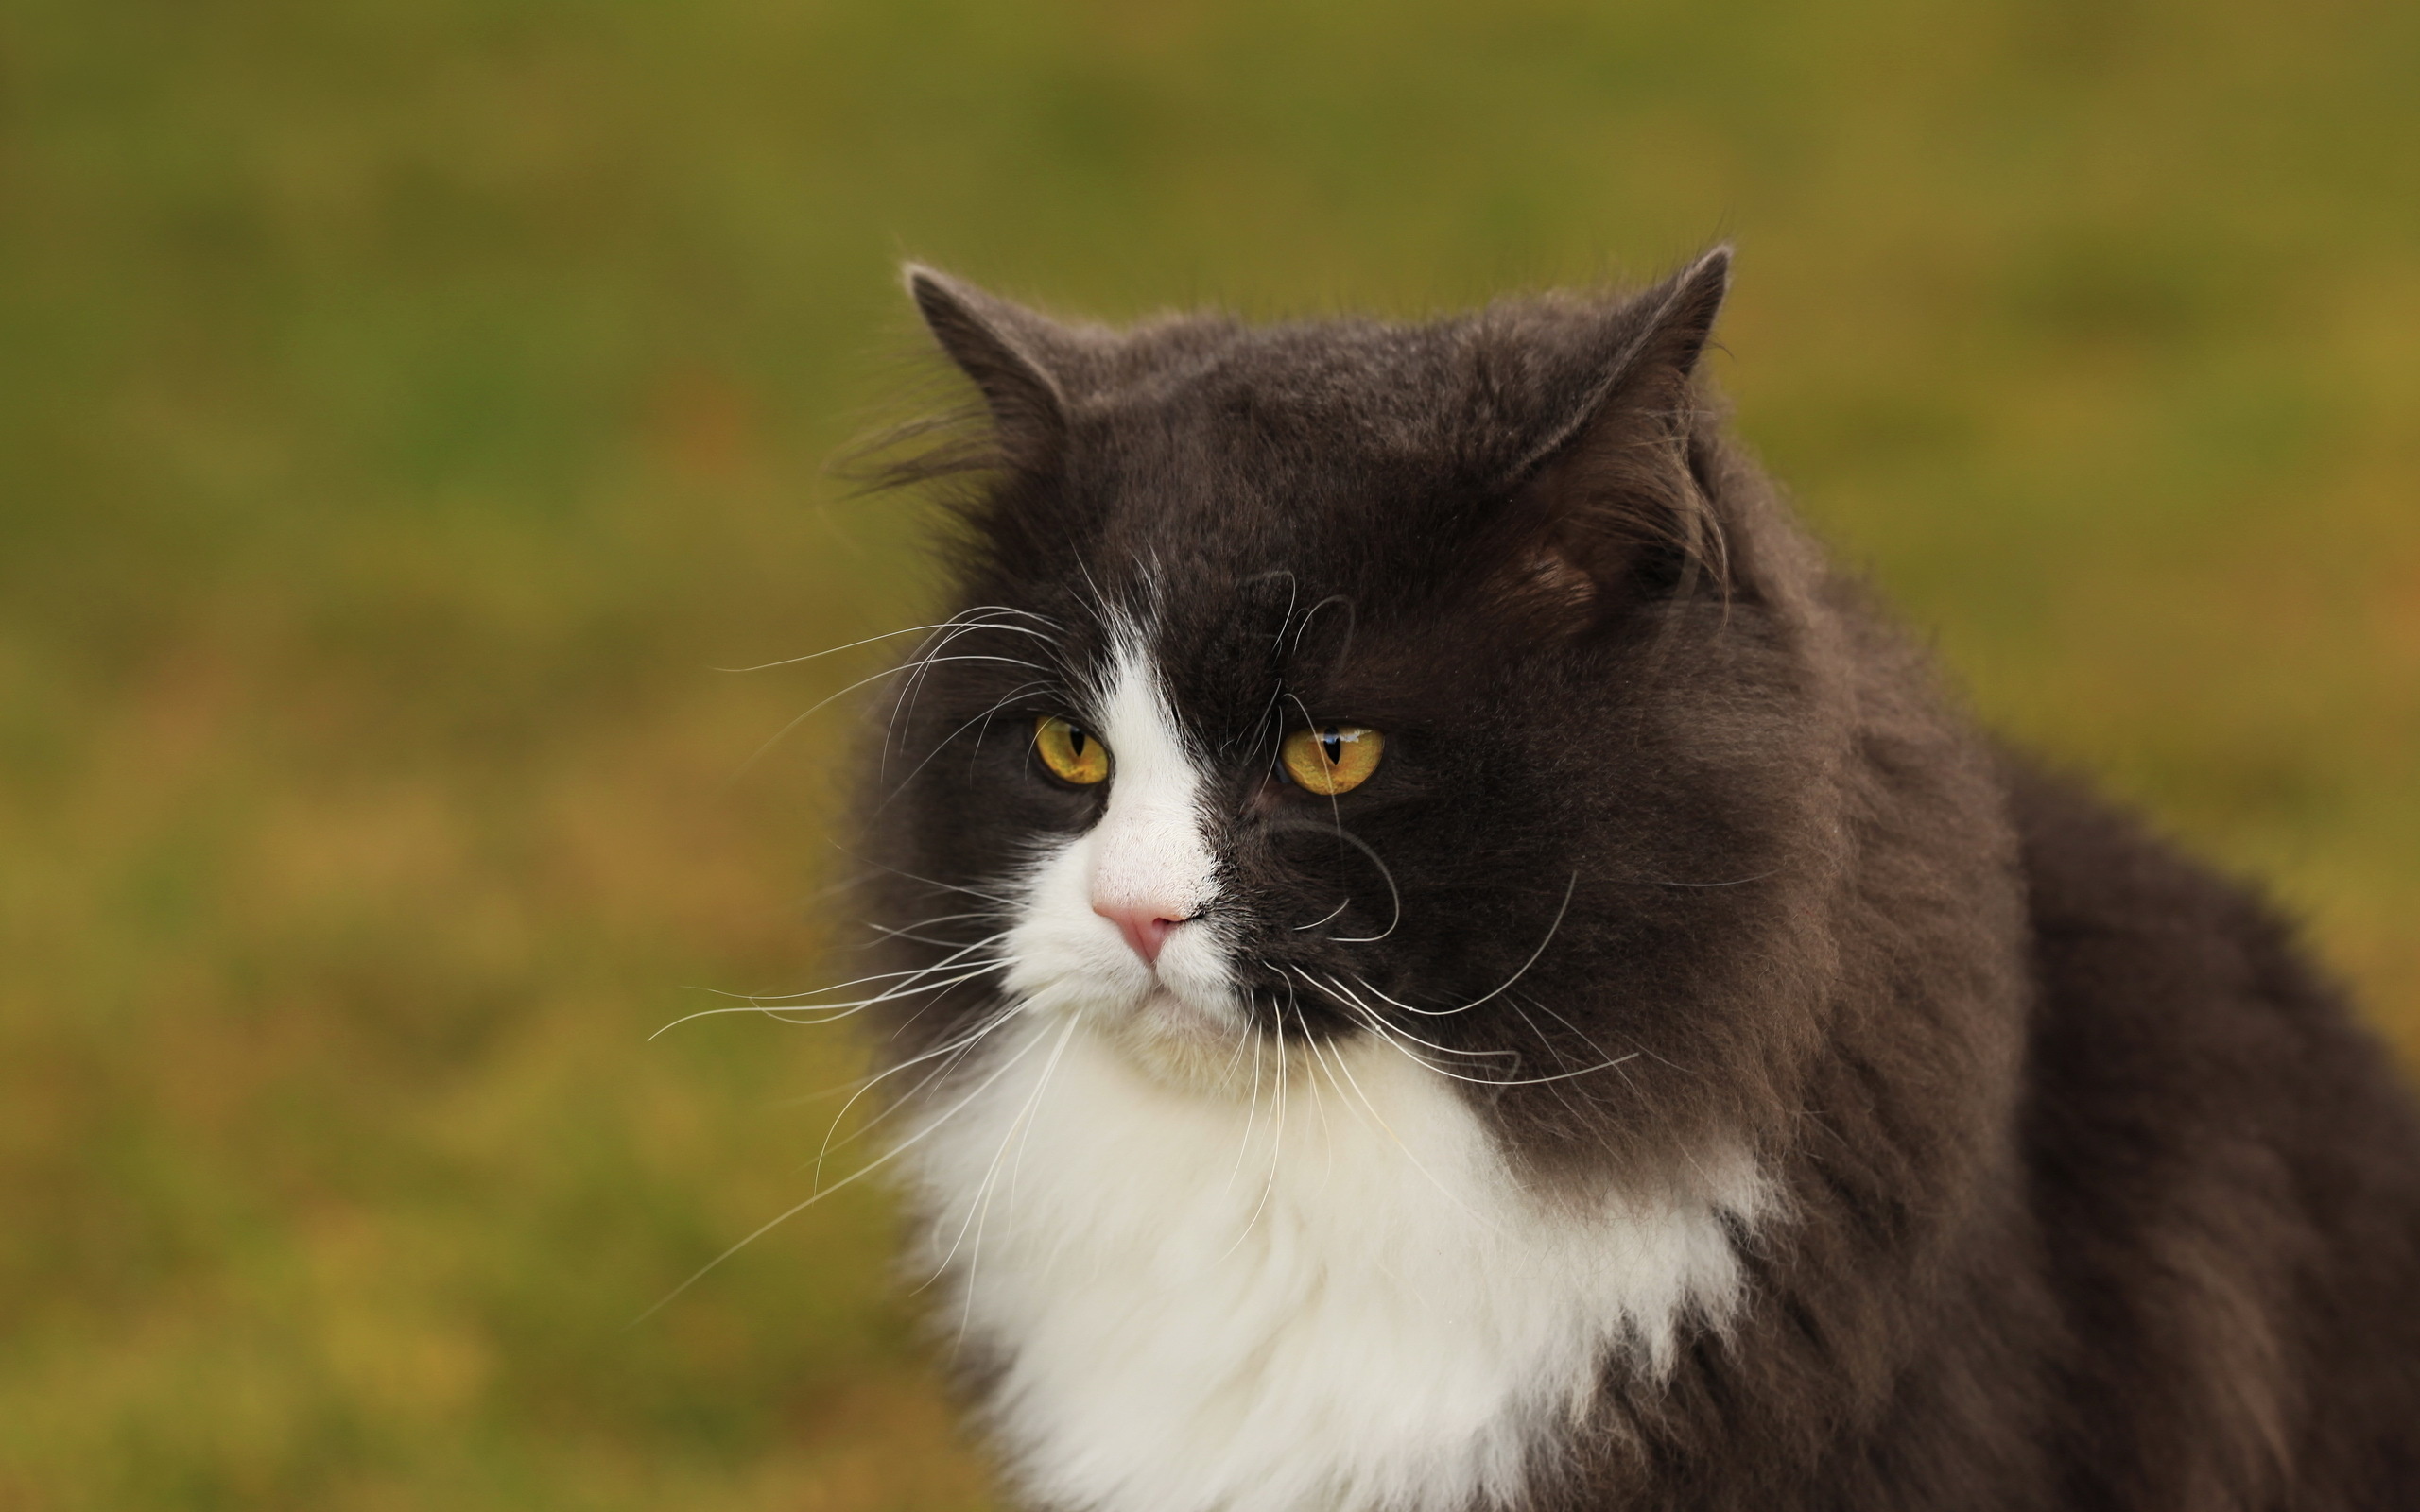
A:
(821, 1013)
(923, 665)
(910, 937)
(980, 1208)
(1369, 1017)
(1319, 1104)
(1548, 1009)
(1736, 882)
(957, 952)
(956, 1050)
(1315, 924)
(1346, 995)
(943, 744)
(1276, 1150)
(887, 635)
(1251, 1110)
(855, 1176)
(1398, 1140)
(1493, 1081)
(1564, 908)
(930, 922)
(1385, 872)
(825, 702)
(938, 886)
(1561, 1095)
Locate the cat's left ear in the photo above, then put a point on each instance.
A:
(1608, 479)
(1014, 357)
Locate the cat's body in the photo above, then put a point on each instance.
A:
(1691, 1068)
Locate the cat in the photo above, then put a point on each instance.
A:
(1447, 960)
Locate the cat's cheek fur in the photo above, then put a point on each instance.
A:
(1070, 960)
(1328, 1293)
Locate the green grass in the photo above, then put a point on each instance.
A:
(403, 407)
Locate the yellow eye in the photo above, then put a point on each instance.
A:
(1332, 758)
(1070, 751)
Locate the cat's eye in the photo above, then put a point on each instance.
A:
(1072, 753)
(1331, 759)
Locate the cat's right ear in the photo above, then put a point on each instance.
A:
(1013, 355)
(1608, 493)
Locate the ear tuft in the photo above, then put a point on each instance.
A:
(1012, 355)
(1618, 509)
(1650, 351)
(1693, 298)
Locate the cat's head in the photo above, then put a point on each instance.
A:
(1447, 686)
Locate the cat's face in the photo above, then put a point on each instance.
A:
(1350, 682)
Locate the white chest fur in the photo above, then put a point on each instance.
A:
(1330, 1295)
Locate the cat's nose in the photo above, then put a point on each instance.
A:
(1146, 926)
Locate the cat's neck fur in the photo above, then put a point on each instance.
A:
(1329, 1294)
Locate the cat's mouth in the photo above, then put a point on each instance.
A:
(1178, 1039)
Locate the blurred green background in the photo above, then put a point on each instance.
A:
(405, 404)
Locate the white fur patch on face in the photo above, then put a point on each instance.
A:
(1146, 852)
(1220, 1276)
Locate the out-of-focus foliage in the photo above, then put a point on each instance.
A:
(405, 404)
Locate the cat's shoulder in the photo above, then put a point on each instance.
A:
(2122, 916)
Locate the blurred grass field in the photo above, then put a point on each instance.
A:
(405, 404)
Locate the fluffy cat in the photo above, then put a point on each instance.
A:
(1449, 962)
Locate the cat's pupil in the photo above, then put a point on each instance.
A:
(1076, 741)
(1331, 746)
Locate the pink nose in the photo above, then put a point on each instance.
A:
(1146, 926)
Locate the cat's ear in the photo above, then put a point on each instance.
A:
(1012, 353)
(1646, 351)
(1607, 480)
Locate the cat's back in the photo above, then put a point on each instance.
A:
(2226, 1174)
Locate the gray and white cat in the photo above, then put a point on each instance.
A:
(1451, 961)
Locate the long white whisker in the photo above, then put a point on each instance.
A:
(1389, 1035)
(1736, 882)
(937, 886)
(1315, 924)
(1346, 995)
(974, 1258)
(1440, 1013)
(1276, 1150)
(1416, 1164)
(943, 744)
(853, 1178)
(905, 704)
(1386, 873)
(937, 919)
(983, 1187)
(907, 931)
(1346, 998)
(1252, 1109)
(1319, 1104)
(887, 635)
(1017, 1166)
(1561, 1096)
(825, 702)
(1342, 995)
(954, 1050)
(958, 951)
(827, 1011)
(820, 1013)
